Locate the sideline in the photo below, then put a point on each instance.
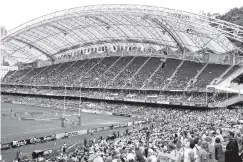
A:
(29, 131)
(38, 130)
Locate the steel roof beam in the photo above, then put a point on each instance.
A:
(100, 31)
(157, 33)
(168, 17)
(99, 20)
(45, 41)
(173, 35)
(183, 26)
(35, 47)
(9, 56)
(135, 27)
(115, 21)
(134, 9)
(131, 28)
(55, 27)
(17, 48)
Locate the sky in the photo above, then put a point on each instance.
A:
(17, 12)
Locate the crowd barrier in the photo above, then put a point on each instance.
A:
(24, 142)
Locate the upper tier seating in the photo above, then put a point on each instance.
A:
(185, 73)
(8, 75)
(211, 72)
(15, 77)
(41, 77)
(52, 78)
(70, 72)
(30, 74)
(144, 74)
(112, 72)
(160, 77)
(97, 71)
(76, 76)
(128, 72)
(131, 72)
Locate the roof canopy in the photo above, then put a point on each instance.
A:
(133, 25)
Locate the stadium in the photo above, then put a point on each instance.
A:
(121, 77)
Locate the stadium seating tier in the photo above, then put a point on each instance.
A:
(131, 72)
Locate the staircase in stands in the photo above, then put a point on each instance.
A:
(113, 79)
(172, 76)
(195, 78)
(151, 76)
(113, 64)
(137, 71)
(38, 73)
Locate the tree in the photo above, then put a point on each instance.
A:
(234, 16)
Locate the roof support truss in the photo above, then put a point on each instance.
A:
(9, 56)
(33, 46)
(61, 26)
(164, 25)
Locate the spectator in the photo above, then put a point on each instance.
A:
(189, 152)
(203, 153)
(219, 154)
(196, 150)
(232, 150)
(151, 156)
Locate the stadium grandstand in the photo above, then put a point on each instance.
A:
(128, 59)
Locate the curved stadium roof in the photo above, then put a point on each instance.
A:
(65, 30)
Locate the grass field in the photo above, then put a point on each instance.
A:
(13, 128)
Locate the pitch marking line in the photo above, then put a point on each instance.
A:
(49, 129)
(29, 131)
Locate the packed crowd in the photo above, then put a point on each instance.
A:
(111, 73)
(69, 104)
(126, 74)
(184, 74)
(173, 135)
(168, 96)
(124, 71)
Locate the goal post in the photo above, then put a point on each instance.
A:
(79, 120)
(62, 122)
(79, 117)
